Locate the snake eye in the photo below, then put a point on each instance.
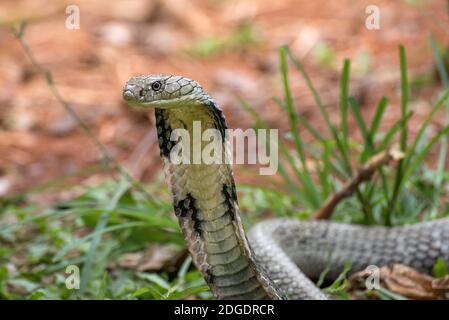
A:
(156, 85)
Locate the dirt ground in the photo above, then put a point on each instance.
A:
(229, 46)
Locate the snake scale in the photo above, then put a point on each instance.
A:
(280, 256)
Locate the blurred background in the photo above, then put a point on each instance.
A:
(232, 48)
(229, 46)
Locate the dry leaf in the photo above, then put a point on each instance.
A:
(154, 258)
(405, 281)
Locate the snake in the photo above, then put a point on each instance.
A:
(279, 257)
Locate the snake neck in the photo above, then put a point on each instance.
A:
(205, 202)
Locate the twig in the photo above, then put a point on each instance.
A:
(363, 174)
(146, 143)
(107, 159)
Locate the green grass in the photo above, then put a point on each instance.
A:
(120, 220)
(390, 198)
(94, 229)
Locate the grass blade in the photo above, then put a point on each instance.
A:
(420, 156)
(188, 292)
(412, 149)
(369, 147)
(378, 116)
(404, 133)
(343, 151)
(439, 62)
(386, 141)
(88, 263)
(101, 225)
(344, 88)
(404, 96)
(305, 175)
(284, 152)
(444, 143)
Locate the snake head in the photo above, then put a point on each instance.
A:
(162, 91)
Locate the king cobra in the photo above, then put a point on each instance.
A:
(280, 256)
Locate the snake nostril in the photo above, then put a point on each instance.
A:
(128, 95)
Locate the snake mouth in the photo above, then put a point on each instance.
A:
(161, 104)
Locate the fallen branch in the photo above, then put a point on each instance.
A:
(363, 174)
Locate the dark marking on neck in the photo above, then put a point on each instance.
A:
(187, 208)
(230, 196)
(163, 133)
(220, 122)
(209, 277)
(197, 224)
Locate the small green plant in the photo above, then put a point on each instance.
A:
(121, 221)
(440, 269)
(240, 38)
(324, 54)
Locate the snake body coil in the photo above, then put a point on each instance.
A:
(281, 254)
